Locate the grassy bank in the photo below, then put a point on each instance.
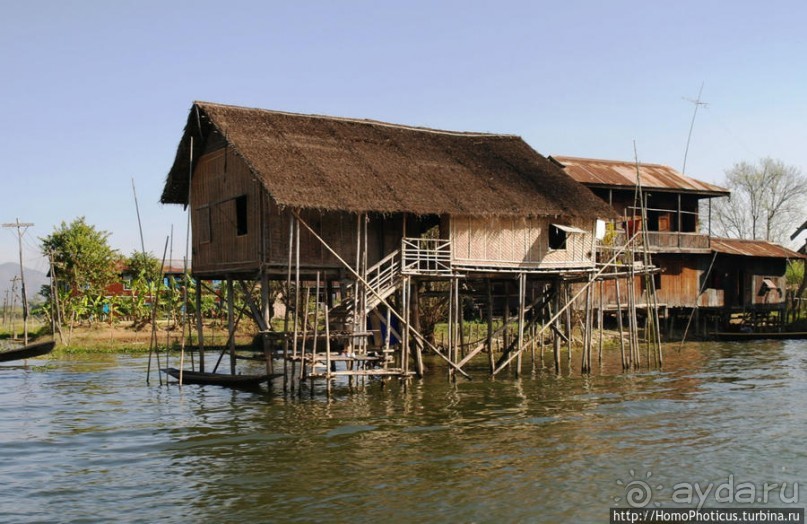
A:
(123, 337)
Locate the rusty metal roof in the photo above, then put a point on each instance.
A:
(610, 173)
(752, 248)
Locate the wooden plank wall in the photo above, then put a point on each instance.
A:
(517, 242)
(219, 177)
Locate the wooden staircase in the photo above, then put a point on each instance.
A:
(383, 280)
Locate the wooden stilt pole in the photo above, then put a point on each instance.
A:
(586, 367)
(450, 327)
(200, 326)
(231, 321)
(626, 362)
(405, 289)
(307, 299)
(600, 327)
(457, 321)
(568, 318)
(522, 290)
(316, 325)
(415, 317)
(289, 306)
(556, 334)
(491, 358)
(327, 346)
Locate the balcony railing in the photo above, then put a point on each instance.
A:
(429, 256)
(662, 240)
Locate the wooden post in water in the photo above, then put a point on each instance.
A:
(522, 290)
(307, 299)
(231, 321)
(266, 312)
(405, 289)
(287, 293)
(327, 347)
(415, 315)
(316, 326)
(458, 323)
(600, 318)
(568, 318)
(491, 358)
(450, 326)
(556, 334)
(626, 363)
(200, 326)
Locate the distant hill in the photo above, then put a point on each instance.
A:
(34, 280)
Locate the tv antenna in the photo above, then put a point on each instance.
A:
(697, 102)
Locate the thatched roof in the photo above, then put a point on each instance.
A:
(328, 163)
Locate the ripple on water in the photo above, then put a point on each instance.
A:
(88, 441)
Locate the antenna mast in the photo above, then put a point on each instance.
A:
(697, 102)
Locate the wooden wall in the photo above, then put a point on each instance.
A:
(338, 229)
(218, 179)
(734, 281)
(518, 242)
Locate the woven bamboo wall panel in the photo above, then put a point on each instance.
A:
(220, 177)
(516, 241)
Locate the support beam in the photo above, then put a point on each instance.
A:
(200, 326)
(231, 322)
(381, 299)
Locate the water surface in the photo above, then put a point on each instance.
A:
(85, 439)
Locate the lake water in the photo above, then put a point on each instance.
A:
(85, 439)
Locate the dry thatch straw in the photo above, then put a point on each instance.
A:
(328, 163)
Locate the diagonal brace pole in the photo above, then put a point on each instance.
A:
(381, 299)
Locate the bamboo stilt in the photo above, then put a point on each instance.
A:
(231, 322)
(200, 326)
(415, 314)
(556, 334)
(491, 357)
(522, 290)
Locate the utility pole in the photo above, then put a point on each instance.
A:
(5, 310)
(21, 229)
(14, 306)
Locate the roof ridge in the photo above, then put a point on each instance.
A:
(609, 161)
(367, 121)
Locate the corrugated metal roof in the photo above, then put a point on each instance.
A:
(752, 248)
(595, 172)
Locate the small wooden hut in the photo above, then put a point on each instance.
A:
(355, 213)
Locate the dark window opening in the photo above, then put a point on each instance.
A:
(241, 215)
(557, 238)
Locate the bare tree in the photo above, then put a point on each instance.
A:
(767, 201)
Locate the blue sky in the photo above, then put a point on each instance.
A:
(95, 93)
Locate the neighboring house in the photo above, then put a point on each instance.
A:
(803, 227)
(718, 276)
(123, 286)
(283, 196)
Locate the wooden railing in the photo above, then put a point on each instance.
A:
(429, 256)
(382, 277)
(661, 240)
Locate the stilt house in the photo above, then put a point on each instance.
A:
(721, 277)
(365, 207)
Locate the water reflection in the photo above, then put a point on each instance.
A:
(87, 440)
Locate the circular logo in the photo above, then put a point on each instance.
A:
(638, 492)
